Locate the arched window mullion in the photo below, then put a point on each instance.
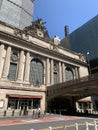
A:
(36, 72)
(69, 74)
(31, 74)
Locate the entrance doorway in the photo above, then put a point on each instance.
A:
(23, 103)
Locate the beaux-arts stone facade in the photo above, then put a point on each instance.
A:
(29, 62)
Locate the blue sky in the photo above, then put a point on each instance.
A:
(58, 13)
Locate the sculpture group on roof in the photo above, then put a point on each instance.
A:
(38, 24)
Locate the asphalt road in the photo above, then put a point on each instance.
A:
(47, 125)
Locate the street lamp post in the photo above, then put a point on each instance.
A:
(88, 61)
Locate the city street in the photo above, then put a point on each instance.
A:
(54, 122)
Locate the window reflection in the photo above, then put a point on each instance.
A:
(69, 74)
(36, 72)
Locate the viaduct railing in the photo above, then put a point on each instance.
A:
(60, 88)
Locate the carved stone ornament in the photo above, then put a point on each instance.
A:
(82, 57)
(14, 56)
(56, 48)
(38, 30)
(1, 103)
(18, 32)
(55, 67)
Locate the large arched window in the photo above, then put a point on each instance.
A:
(13, 65)
(36, 72)
(12, 72)
(69, 74)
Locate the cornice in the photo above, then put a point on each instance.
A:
(47, 52)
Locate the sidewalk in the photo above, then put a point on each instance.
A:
(47, 118)
(26, 120)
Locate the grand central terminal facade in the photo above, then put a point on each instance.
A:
(29, 62)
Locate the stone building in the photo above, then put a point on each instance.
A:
(29, 62)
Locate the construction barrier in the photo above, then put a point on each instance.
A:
(76, 125)
(91, 124)
(50, 128)
(87, 124)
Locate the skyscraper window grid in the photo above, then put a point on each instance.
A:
(16, 13)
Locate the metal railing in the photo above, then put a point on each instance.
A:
(21, 113)
(75, 81)
(53, 89)
(75, 126)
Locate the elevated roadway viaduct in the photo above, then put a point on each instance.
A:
(62, 96)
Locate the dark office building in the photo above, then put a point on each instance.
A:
(85, 40)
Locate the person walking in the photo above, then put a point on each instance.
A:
(39, 112)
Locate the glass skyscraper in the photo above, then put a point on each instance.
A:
(17, 13)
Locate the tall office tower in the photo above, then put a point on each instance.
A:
(85, 40)
(17, 13)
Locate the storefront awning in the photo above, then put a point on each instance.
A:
(87, 99)
(23, 96)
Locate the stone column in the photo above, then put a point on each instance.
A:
(27, 67)
(47, 72)
(21, 66)
(42, 102)
(77, 76)
(63, 72)
(74, 73)
(78, 73)
(2, 53)
(51, 72)
(44, 72)
(60, 73)
(6, 63)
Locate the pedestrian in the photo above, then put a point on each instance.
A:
(39, 112)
